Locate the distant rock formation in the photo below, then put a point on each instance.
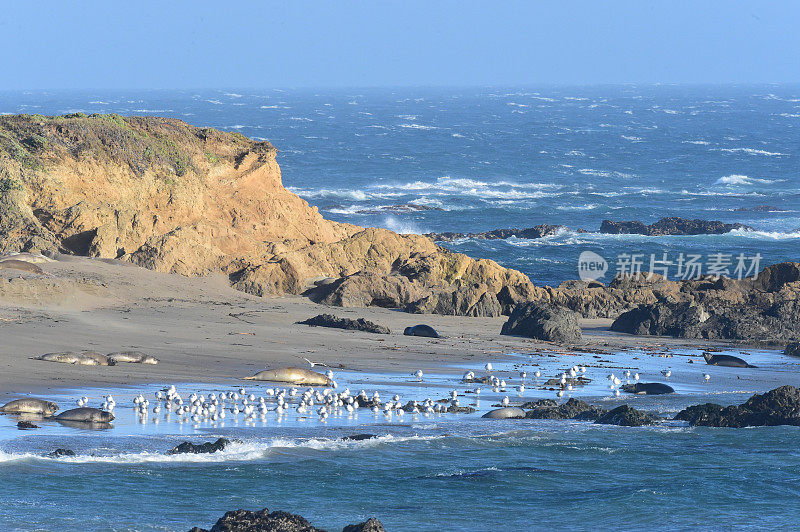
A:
(538, 231)
(670, 226)
(780, 406)
(266, 521)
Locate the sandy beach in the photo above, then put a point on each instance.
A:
(202, 330)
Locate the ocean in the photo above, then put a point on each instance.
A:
(468, 160)
(483, 159)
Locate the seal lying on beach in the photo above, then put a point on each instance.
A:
(132, 357)
(31, 258)
(292, 376)
(21, 265)
(726, 360)
(86, 415)
(509, 412)
(85, 358)
(30, 405)
(648, 388)
(421, 330)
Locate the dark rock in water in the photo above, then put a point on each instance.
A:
(626, 416)
(648, 388)
(500, 234)
(792, 349)
(780, 406)
(359, 437)
(421, 330)
(25, 425)
(670, 226)
(575, 381)
(370, 525)
(262, 521)
(58, 453)
(328, 320)
(204, 448)
(759, 208)
(453, 409)
(540, 403)
(572, 409)
(726, 360)
(542, 321)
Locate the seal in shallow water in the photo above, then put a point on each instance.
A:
(30, 405)
(648, 388)
(292, 376)
(726, 360)
(421, 330)
(86, 415)
(509, 412)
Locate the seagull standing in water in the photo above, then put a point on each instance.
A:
(706, 377)
(667, 373)
(488, 366)
(418, 374)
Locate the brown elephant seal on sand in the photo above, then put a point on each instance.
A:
(21, 265)
(86, 415)
(132, 357)
(30, 405)
(509, 412)
(85, 358)
(292, 376)
(31, 258)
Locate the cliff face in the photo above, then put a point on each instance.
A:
(176, 198)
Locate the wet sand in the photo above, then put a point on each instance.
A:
(202, 330)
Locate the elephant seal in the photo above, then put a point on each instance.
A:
(292, 376)
(133, 357)
(85, 358)
(30, 405)
(509, 412)
(648, 388)
(421, 330)
(86, 415)
(726, 360)
(21, 265)
(31, 258)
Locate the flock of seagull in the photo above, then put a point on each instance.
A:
(215, 407)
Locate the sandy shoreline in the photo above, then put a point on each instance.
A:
(204, 331)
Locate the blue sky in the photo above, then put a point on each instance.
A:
(294, 43)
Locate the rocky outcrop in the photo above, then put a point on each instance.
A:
(671, 226)
(792, 349)
(780, 406)
(540, 321)
(538, 231)
(572, 409)
(176, 198)
(348, 324)
(266, 521)
(764, 308)
(626, 416)
(203, 448)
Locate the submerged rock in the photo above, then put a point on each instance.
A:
(572, 409)
(370, 525)
(25, 425)
(58, 453)
(671, 226)
(266, 521)
(626, 416)
(359, 437)
(546, 322)
(203, 448)
(792, 349)
(780, 406)
(328, 320)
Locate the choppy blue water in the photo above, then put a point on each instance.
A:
(500, 158)
(435, 472)
(482, 159)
